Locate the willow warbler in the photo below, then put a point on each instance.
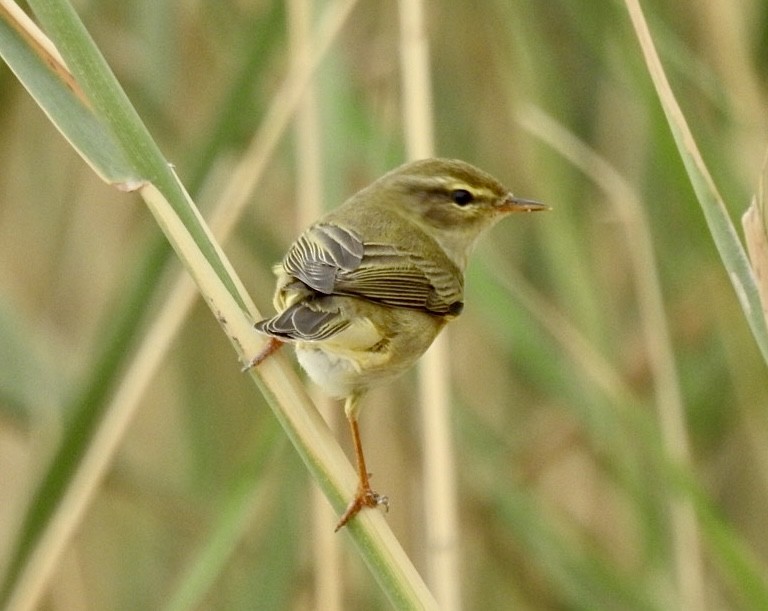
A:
(365, 290)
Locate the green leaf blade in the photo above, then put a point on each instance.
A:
(69, 114)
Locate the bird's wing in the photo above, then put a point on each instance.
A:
(334, 260)
(320, 253)
(404, 279)
(302, 321)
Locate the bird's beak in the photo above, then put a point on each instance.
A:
(517, 204)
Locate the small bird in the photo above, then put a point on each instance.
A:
(365, 290)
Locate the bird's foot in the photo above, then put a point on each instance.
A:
(272, 346)
(364, 497)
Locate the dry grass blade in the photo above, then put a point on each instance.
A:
(755, 226)
(41, 44)
(439, 485)
(669, 401)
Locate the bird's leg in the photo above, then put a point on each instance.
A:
(272, 346)
(365, 496)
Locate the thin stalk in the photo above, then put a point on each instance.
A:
(309, 204)
(439, 485)
(669, 402)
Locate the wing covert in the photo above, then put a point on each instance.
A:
(320, 253)
(403, 279)
(334, 260)
(303, 322)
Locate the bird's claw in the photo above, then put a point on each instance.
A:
(272, 346)
(365, 497)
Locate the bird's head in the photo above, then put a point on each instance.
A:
(453, 201)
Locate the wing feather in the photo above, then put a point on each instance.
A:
(333, 260)
(321, 253)
(303, 322)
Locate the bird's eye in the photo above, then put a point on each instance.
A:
(462, 197)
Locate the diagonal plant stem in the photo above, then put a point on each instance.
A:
(720, 226)
(224, 293)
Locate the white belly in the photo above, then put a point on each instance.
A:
(362, 355)
(335, 374)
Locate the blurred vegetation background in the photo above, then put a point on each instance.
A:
(567, 493)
